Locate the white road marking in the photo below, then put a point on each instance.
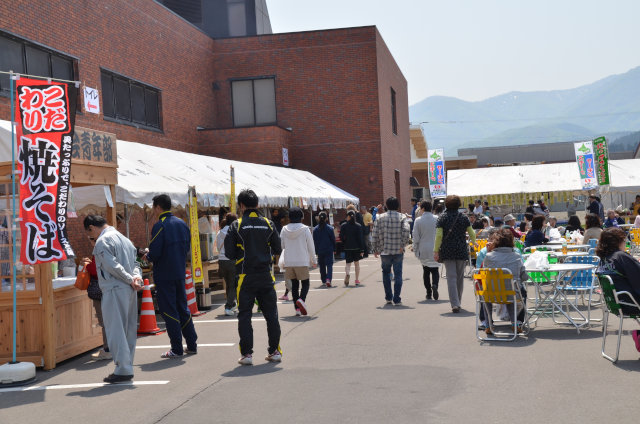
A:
(81, 386)
(199, 346)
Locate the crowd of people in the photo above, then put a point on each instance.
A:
(249, 242)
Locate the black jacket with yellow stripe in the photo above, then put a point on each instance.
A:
(252, 241)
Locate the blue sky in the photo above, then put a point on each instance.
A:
(475, 49)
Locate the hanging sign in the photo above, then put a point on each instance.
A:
(586, 164)
(232, 196)
(91, 100)
(44, 129)
(436, 171)
(601, 151)
(285, 156)
(196, 254)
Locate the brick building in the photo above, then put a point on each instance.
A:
(336, 99)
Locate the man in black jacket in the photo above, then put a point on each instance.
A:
(252, 241)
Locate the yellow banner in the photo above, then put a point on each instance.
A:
(196, 255)
(232, 196)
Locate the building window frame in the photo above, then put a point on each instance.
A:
(394, 117)
(253, 92)
(110, 105)
(51, 53)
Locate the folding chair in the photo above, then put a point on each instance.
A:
(495, 285)
(634, 237)
(473, 254)
(538, 278)
(581, 283)
(614, 306)
(593, 243)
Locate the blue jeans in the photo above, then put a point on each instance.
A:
(325, 263)
(387, 262)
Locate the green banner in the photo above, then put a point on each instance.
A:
(601, 153)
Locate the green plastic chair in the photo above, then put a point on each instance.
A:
(614, 306)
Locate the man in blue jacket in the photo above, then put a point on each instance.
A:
(170, 242)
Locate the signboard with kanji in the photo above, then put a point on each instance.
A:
(601, 151)
(44, 128)
(93, 147)
(586, 165)
(436, 173)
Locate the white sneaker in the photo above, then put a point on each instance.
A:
(301, 306)
(246, 360)
(101, 355)
(229, 312)
(298, 313)
(274, 357)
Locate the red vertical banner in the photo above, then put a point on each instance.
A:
(44, 130)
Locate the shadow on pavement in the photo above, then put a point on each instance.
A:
(251, 370)
(102, 391)
(559, 333)
(628, 364)
(293, 318)
(433, 302)
(161, 364)
(396, 307)
(462, 313)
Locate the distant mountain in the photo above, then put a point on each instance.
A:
(626, 143)
(607, 107)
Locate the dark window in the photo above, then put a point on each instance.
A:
(107, 95)
(128, 100)
(394, 121)
(23, 57)
(254, 102)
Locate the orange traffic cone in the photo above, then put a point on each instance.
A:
(148, 323)
(191, 295)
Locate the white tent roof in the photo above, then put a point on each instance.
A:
(536, 178)
(145, 171)
(625, 175)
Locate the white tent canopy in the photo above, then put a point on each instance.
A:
(145, 171)
(553, 177)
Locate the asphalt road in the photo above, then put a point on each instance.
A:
(353, 359)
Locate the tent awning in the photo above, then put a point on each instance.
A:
(145, 171)
(553, 177)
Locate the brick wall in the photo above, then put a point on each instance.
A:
(253, 144)
(140, 39)
(325, 91)
(395, 148)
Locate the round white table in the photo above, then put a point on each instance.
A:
(556, 297)
(554, 246)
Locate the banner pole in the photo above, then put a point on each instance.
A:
(13, 213)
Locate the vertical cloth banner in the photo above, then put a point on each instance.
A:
(601, 151)
(586, 164)
(44, 130)
(196, 254)
(232, 196)
(436, 171)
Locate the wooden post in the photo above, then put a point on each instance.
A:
(44, 275)
(111, 211)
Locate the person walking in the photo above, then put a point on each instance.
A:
(170, 243)
(119, 278)
(95, 294)
(227, 267)
(252, 242)
(324, 240)
(424, 237)
(451, 247)
(298, 253)
(390, 236)
(353, 240)
(367, 221)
